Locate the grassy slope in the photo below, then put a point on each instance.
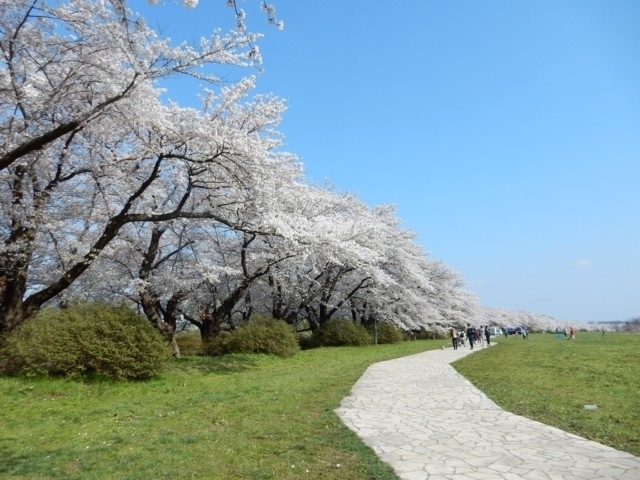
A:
(234, 417)
(551, 380)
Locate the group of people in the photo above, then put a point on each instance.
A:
(473, 335)
(570, 333)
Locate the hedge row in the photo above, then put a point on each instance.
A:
(99, 340)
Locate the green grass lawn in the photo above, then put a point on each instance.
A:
(259, 417)
(551, 380)
(233, 417)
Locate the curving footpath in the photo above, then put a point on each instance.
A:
(428, 422)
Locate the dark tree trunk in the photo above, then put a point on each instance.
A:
(14, 265)
(210, 325)
(277, 302)
(152, 310)
(163, 319)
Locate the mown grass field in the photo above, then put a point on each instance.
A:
(551, 380)
(233, 417)
(259, 417)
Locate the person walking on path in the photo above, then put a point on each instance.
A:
(487, 335)
(480, 335)
(454, 337)
(471, 335)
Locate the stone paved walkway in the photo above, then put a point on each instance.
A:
(428, 422)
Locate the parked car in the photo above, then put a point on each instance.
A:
(515, 331)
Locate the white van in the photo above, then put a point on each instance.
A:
(495, 331)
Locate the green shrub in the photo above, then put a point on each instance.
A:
(259, 335)
(425, 334)
(387, 333)
(86, 339)
(307, 340)
(190, 343)
(214, 346)
(336, 333)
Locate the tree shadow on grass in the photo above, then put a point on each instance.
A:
(15, 463)
(224, 364)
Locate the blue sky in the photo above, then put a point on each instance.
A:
(507, 133)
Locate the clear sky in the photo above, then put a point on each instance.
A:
(507, 133)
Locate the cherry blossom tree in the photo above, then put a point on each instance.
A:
(88, 147)
(363, 266)
(336, 260)
(201, 267)
(243, 259)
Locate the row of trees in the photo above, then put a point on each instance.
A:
(532, 322)
(107, 191)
